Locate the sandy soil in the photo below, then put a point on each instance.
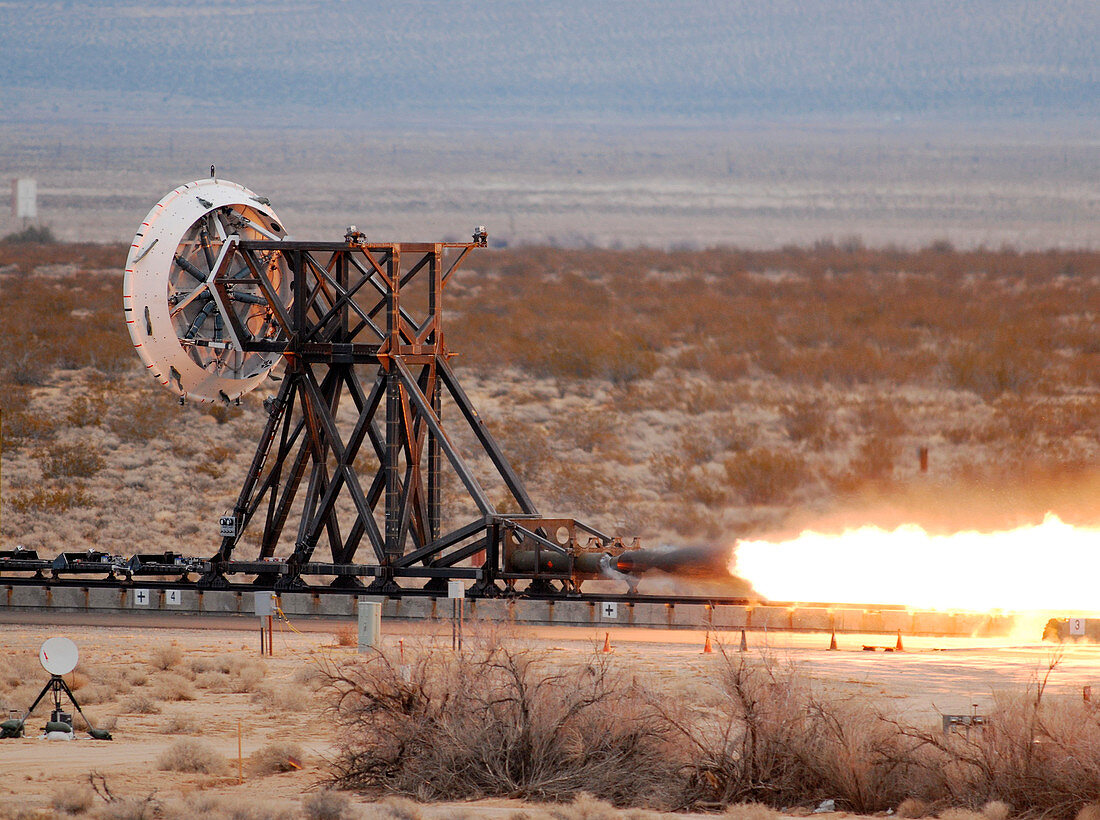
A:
(931, 676)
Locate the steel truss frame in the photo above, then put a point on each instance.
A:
(364, 330)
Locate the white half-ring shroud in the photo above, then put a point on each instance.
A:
(58, 656)
(152, 275)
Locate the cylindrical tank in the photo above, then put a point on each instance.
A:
(546, 561)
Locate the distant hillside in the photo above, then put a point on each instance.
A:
(638, 60)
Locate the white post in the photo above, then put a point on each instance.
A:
(370, 625)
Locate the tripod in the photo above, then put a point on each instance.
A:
(56, 686)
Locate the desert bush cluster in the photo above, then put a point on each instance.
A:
(502, 720)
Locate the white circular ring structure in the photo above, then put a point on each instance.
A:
(58, 656)
(177, 325)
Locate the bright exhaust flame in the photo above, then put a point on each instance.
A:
(1048, 566)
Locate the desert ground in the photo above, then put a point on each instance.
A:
(153, 683)
(686, 397)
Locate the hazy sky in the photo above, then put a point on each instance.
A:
(208, 61)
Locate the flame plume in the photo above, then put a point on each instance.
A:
(1047, 566)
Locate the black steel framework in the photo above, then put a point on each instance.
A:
(354, 451)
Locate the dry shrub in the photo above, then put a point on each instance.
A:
(141, 704)
(1040, 755)
(874, 462)
(276, 756)
(246, 674)
(807, 421)
(72, 798)
(992, 369)
(326, 804)
(496, 720)
(99, 693)
(200, 665)
(763, 476)
(346, 635)
(212, 681)
(51, 498)
(912, 808)
(189, 754)
(770, 739)
(166, 655)
(16, 669)
(170, 686)
(283, 698)
(179, 723)
(309, 676)
(70, 460)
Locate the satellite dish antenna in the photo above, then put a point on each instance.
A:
(184, 329)
(58, 656)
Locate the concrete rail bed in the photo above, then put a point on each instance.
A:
(45, 597)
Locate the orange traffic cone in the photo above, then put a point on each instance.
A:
(707, 649)
(898, 647)
(744, 642)
(832, 642)
(607, 642)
